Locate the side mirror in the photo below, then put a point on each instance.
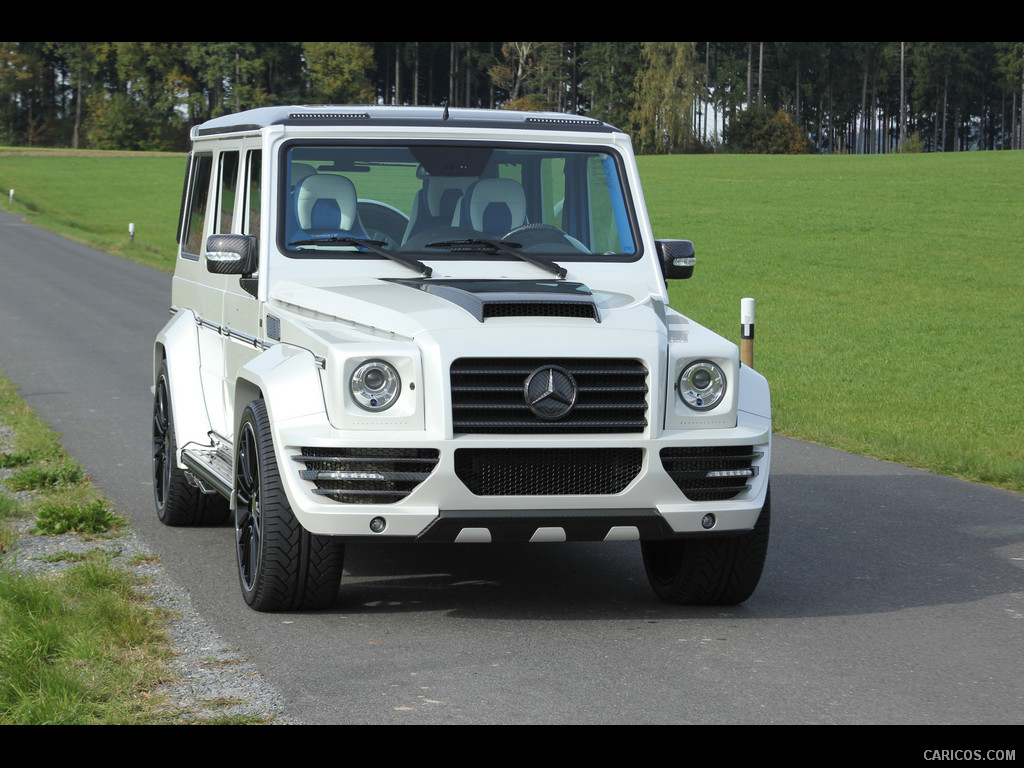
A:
(232, 254)
(677, 258)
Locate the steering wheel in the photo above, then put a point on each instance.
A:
(529, 235)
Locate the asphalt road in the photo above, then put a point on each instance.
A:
(890, 595)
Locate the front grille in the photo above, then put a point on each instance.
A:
(366, 475)
(711, 473)
(488, 396)
(547, 471)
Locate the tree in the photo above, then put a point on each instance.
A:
(1010, 66)
(511, 71)
(145, 83)
(338, 73)
(608, 73)
(759, 131)
(664, 99)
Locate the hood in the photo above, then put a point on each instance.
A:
(409, 307)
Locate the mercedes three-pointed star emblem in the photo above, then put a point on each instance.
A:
(550, 392)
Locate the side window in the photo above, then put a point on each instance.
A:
(609, 218)
(251, 221)
(198, 204)
(228, 186)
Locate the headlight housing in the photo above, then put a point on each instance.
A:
(701, 385)
(375, 385)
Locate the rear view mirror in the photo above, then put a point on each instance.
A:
(677, 258)
(232, 254)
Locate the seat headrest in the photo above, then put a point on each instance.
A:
(494, 206)
(325, 201)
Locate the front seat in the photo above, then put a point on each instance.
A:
(326, 203)
(435, 203)
(493, 207)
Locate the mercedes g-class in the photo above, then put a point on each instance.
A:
(423, 324)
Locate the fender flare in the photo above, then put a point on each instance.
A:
(755, 396)
(178, 344)
(287, 378)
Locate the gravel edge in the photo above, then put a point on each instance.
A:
(212, 680)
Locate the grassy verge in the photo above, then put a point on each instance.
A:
(79, 644)
(82, 646)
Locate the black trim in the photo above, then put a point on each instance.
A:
(240, 128)
(184, 195)
(520, 525)
(484, 299)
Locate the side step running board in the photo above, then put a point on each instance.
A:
(209, 467)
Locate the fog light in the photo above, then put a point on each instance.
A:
(378, 524)
(708, 521)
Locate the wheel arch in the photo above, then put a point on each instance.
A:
(286, 378)
(178, 345)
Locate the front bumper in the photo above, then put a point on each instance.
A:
(564, 488)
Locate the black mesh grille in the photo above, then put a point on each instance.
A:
(691, 468)
(367, 475)
(487, 396)
(540, 309)
(547, 471)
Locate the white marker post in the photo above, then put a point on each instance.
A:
(131, 232)
(747, 332)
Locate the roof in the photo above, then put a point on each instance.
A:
(337, 115)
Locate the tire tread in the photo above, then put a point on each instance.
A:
(299, 570)
(722, 571)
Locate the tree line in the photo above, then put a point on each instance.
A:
(672, 97)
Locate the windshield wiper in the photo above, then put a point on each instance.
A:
(371, 245)
(497, 245)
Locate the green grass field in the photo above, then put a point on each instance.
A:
(888, 288)
(92, 198)
(888, 294)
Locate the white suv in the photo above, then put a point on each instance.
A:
(422, 324)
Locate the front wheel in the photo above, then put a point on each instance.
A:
(722, 571)
(281, 566)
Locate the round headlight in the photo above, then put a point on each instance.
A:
(375, 385)
(701, 385)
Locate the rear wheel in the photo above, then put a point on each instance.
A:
(722, 571)
(281, 566)
(177, 501)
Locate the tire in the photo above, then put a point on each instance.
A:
(723, 571)
(177, 501)
(281, 566)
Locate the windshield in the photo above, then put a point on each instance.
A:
(437, 201)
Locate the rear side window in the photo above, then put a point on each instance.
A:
(197, 205)
(251, 220)
(228, 187)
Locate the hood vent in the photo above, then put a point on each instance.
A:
(484, 299)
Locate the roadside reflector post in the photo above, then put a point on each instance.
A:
(747, 332)
(12, 195)
(131, 231)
